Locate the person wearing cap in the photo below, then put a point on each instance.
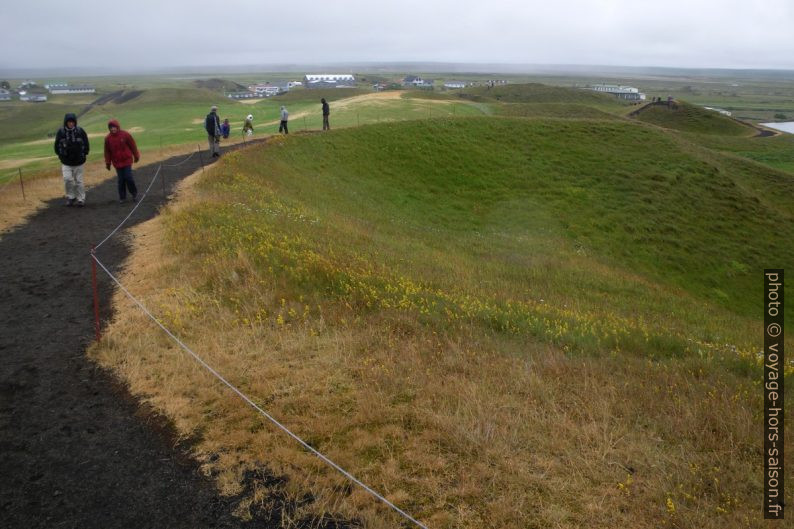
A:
(213, 125)
(284, 118)
(121, 151)
(71, 146)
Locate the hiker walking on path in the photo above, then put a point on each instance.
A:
(284, 118)
(71, 146)
(121, 151)
(248, 125)
(225, 129)
(213, 125)
(326, 112)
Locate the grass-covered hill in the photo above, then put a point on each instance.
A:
(498, 322)
(538, 93)
(687, 117)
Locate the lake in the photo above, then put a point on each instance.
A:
(787, 126)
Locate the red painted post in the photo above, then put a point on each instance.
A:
(96, 295)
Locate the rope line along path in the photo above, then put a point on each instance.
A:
(228, 384)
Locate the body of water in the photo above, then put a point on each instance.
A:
(786, 126)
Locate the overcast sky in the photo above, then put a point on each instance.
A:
(151, 34)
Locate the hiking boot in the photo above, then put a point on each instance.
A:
(69, 202)
(80, 203)
(135, 198)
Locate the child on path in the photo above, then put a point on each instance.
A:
(225, 129)
(121, 151)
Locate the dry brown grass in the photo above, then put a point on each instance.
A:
(461, 428)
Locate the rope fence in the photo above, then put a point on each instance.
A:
(245, 398)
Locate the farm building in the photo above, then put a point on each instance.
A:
(329, 80)
(32, 98)
(242, 95)
(413, 81)
(451, 85)
(64, 88)
(5, 95)
(621, 92)
(267, 89)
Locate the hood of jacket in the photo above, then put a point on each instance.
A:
(70, 117)
(114, 123)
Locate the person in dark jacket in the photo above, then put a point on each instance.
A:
(121, 151)
(212, 124)
(326, 112)
(71, 146)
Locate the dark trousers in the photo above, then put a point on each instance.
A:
(283, 127)
(326, 126)
(126, 181)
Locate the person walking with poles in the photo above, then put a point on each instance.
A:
(284, 118)
(213, 126)
(326, 112)
(121, 151)
(71, 146)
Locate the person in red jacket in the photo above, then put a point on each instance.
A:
(121, 151)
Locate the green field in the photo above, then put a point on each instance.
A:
(463, 306)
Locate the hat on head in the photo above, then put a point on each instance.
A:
(213, 108)
(250, 117)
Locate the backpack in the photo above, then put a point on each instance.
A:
(72, 146)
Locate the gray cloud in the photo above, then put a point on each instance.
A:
(156, 34)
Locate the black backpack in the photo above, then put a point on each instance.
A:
(72, 146)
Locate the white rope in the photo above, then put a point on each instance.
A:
(251, 403)
(179, 163)
(131, 211)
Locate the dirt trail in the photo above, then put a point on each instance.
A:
(75, 449)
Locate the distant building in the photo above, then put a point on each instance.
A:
(293, 84)
(242, 95)
(329, 81)
(628, 93)
(64, 88)
(452, 85)
(268, 89)
(32, 98)
(5, 95)
(413, 81)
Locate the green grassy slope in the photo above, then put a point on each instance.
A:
(690, 118)
(539, 93)
(512, 297)
(624, 196)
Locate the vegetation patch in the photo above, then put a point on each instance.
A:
(496, 322)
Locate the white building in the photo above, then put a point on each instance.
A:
(451, 85)
(267, 89)
(5, 95)
(328, 80)
(621, 92)
(32, 98)
(64, 88)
